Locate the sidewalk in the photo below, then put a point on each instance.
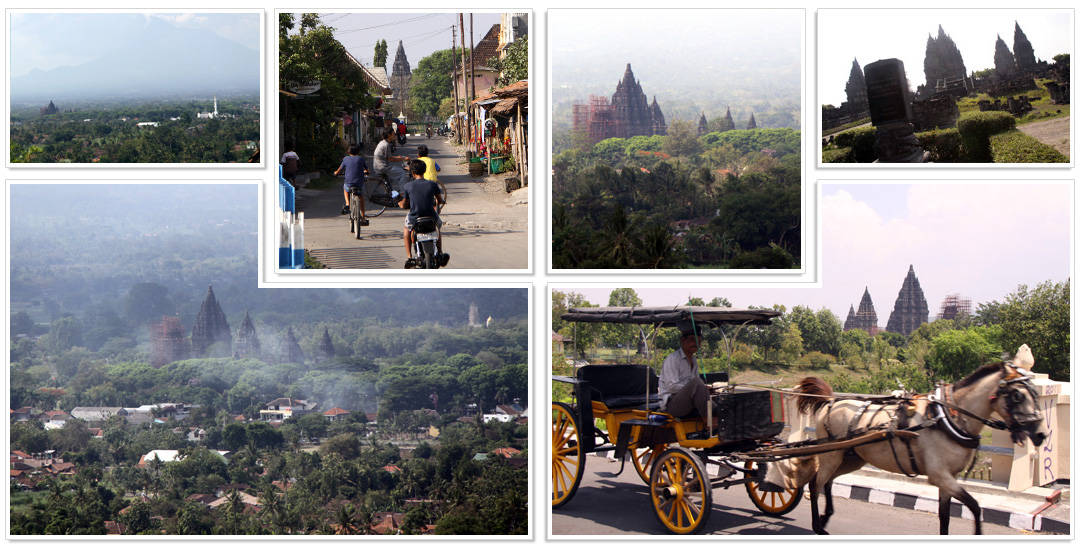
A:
(1038, 509)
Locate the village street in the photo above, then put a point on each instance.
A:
(484, 226)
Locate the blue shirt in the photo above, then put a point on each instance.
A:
(354, 166)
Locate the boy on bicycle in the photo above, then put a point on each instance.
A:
(354, 167)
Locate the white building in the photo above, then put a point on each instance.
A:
(213, 114)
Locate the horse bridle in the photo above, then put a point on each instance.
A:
(1006, 390)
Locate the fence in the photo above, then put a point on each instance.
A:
(1019, 467)
(291, 226)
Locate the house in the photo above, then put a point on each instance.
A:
(387, 523)
(250, 502)
(97, 416)
(391, 468)
(21, 414)
(201, 498)
(167, 455)
(335, 414)
(285, 407)
(60, 416)
(499, 417)
(506, 452)
(196, 434)
(54, 424)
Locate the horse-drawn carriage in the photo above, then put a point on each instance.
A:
(682, 459)
(670, 454)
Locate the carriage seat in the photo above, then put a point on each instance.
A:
(622, 386)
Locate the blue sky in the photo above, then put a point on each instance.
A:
(46, 41)
(979, 239)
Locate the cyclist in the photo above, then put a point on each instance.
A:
(432, 172)
(424, 200)
(354, 167)
(384, 156)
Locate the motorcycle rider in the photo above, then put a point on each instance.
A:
(424, 200)
(384, 156)
(432, 173)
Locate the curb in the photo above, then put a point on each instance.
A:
(990, 514)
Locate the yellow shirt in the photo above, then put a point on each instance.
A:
(431, 174)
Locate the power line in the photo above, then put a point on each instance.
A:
(419, 37)
(409, 20)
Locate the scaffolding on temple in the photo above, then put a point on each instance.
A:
(595, 120)
(954, 306)
(168, 342)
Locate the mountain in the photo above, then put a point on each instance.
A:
(154, 58)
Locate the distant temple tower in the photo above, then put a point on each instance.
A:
(943, 61)
(954, 307)
(399, 81)
(247, 341)
(292, 352)
(1004, 62)
(857, 101)
(628, 114)
(726, 123)
(49, 109)
(702, 125)
(910, 310)
(865, 318)
(751, 124)
(167, 341)
(1022, 50)
(326, 345)
(211, 334)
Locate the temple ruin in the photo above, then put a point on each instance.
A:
(865, 318)
(627, 114)
(168, 343)
(210, 334)
(910, 310)
(399, 79)
(247, 341)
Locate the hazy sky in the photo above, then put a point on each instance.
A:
(46, 41)
(422, 33)
(870, 35)
(980, 240)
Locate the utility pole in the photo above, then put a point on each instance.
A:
(453, 55)
(465, 85)
(472, 58)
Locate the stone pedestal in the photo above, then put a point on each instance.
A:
(890, 112)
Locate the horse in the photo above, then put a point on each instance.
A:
(947, 423)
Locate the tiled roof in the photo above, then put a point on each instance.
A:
(335, 411)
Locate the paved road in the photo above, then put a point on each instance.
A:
(609, 505)
(1053, 132)
(485, 228)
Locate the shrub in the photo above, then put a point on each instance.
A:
(1019, 147)
(843, 154)
(765, 257)
(943, 145)
(819, 360)
(976, 128)
(861, 140)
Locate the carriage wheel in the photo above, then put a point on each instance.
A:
(772, 503)
(567, 463)
(681, 491)
(643, 457)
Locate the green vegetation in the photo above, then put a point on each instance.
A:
(109, 132)
(975, 130)
(804, 342)
(724, 199)
(312, 54)
(1019, 147)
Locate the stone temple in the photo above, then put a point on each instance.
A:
(910, 310)
(399, 79)
(627, 114)
(864, 319)
(943, 63)
(247, 341)
(210, 335)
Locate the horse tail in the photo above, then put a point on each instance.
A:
(815, 394)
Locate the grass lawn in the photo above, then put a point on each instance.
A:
(1042, 107)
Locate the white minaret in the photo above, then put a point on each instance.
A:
(215, 106)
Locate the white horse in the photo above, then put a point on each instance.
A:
(947, 423)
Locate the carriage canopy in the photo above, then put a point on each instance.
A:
(670, 316)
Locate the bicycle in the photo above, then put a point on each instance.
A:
(356, 220)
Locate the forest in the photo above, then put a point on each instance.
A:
(412, 369)
(109, 132)
(804, 342)
(727, 199)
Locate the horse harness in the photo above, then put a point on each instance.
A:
(939, 414)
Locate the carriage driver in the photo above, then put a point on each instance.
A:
(682, 391)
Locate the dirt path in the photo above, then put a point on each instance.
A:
(1053, 132)
(484, 227)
